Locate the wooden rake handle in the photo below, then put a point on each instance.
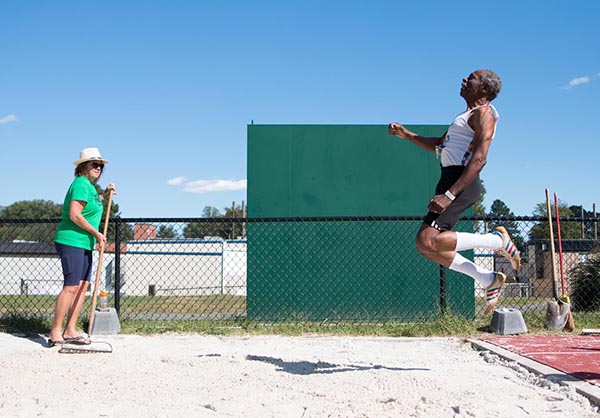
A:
(99, 269)
(552, 250)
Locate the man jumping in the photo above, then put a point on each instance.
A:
(463, 153)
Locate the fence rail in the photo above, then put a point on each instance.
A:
(295, 269)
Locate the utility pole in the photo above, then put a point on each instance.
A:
(582, 224)
(595, 222)
(243, 216)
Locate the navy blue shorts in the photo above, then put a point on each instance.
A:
(76, 264)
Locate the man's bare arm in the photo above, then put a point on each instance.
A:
(427, 143)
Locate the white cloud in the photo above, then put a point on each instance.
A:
(8, 119)
(210, 186)
(577, 81)
(176, 181)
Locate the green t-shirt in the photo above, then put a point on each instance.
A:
(70, 234)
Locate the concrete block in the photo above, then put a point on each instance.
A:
(106, 322)
(507, 321)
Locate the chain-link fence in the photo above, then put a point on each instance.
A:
(297, 269)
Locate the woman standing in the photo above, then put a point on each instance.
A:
(75, 239)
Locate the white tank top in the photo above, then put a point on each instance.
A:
(456, 148)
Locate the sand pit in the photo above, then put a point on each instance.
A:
(272, 376)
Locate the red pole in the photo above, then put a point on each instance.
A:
(560, 257)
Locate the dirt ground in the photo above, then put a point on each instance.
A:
(274, 376)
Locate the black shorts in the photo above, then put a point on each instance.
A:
(447, 219)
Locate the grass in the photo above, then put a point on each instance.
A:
(16, 317)
(446, 326)
(131, 304)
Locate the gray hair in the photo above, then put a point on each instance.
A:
(493, 83)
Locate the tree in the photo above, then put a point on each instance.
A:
(478, 208)
(235, 212)
(586, 283)
(586, 229)
(568, 230)
(28, 231)
(166, 232)
(211, 212)
(46, 209)
(204, 229)
(236, 228)
(32, 209)
(226, 230)
(125, 229)
(500, 210)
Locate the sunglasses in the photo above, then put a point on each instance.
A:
(98, 165)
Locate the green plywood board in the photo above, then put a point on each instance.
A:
(300, 270)
(337, 170)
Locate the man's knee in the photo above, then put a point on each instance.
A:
(425, 242)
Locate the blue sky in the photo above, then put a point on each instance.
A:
(166, 89)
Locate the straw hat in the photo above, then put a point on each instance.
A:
(90, 154)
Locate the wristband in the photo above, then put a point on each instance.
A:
(449, 195)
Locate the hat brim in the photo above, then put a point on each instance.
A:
(85, 160)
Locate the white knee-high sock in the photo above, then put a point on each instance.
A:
(468, 241)
(462, 265)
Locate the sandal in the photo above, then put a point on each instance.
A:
(79, 340)
(54, 343)
(509, 250)
(493, 292)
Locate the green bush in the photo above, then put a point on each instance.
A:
(585, 295)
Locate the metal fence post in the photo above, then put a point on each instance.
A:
(118, 264)
(442, 290)
(222, 267)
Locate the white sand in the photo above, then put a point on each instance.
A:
(270, 376)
